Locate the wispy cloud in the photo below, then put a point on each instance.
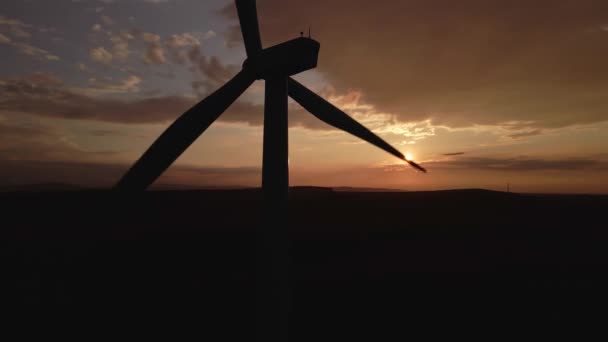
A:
(131, 84)
(16, 33)
(522, 164)
(4, 39)
(36, 52)
(155, 54)
(15, 27)
(101, 55)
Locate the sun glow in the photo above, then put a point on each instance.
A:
(409, 156)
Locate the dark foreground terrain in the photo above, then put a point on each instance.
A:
(363, 264)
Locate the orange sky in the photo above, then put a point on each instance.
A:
(481, 93)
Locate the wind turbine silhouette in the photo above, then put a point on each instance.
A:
(275, 65)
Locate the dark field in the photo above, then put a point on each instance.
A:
(362, 263)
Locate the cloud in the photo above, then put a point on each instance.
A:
(19, 32)
(57, 101)
(150, 37)
(453, 154)
(15, 27)
(177, 41)
(30, 50)
(46, 96)
(35, 141)
(179, 45)
(106, 20)
(526, 133)
(14, 32)
(119, 48)
(131, 83)
(120, 45)
(521, 164)
(4, 39)
(154, 51)
(4, 21)
(458, 63)
(128, 85)
(101, 55)
(214, 72)
(209, 34)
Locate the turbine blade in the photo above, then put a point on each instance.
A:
(331, 115)
(182, 133)
(248, 17)
(415, 165)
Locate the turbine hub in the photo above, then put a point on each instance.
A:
(288, 58)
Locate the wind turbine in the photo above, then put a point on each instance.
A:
(275, 65)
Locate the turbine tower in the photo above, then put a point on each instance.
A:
(275, 65)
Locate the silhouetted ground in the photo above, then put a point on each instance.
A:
(363, 263)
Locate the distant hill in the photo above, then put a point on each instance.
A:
(67, 187)
(356, 189)
(183, 187)
(42, 187)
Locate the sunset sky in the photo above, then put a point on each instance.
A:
(481, 93)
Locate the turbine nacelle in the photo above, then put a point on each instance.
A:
(285, 59)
